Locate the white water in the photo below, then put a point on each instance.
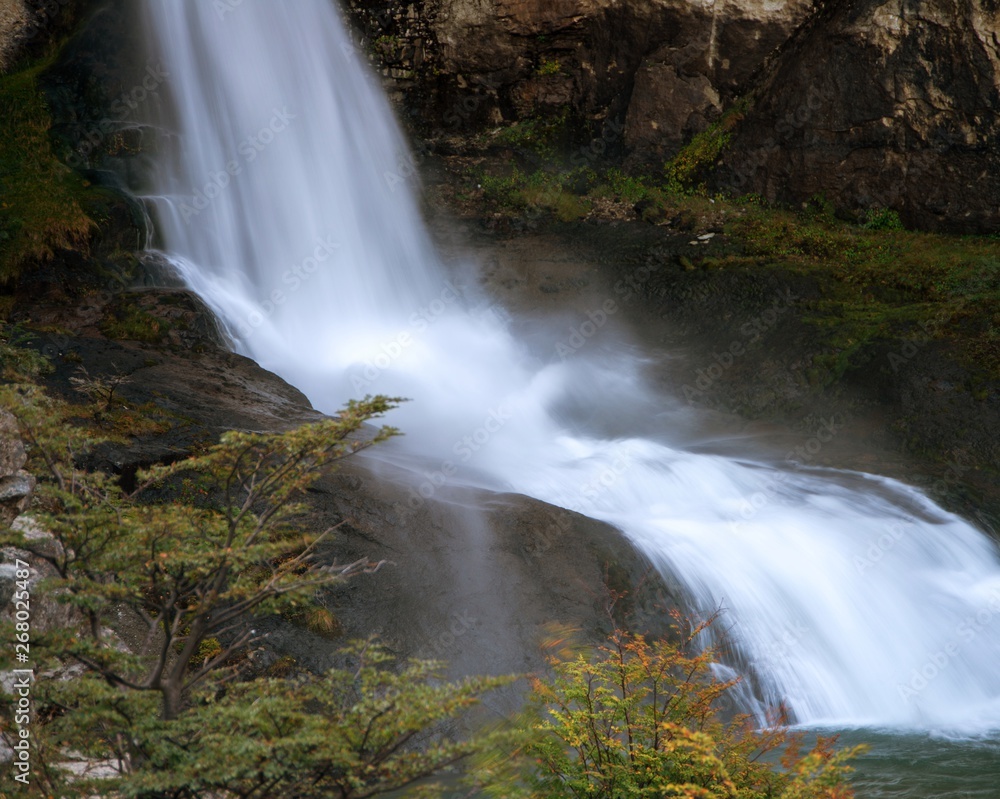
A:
(839, 588)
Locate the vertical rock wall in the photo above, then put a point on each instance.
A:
(893, 104)
(14, 24)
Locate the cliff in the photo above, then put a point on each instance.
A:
(869, 103)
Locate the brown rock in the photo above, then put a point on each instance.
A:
(667, 109)
(489, 57)
(893, 104)
(12, 455)
(472, 587)
(14, 22)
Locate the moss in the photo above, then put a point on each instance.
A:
(208, 649)
(40, 197)
(697, 156)
(568, 194)
(132, 421)
(317, 620)
(627, 188)
(880, 282)
(125, 320)
(540, 135)
(282, 668)
(18, 363)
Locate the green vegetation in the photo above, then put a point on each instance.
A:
(569, 187)
(879, 281)
(882, 219)
(701, 153)
(639, 718)
(547, 67)
(125, 320)
(162, 585)
(182, 574)
(41, 199)
(540, 135)
(541, 191)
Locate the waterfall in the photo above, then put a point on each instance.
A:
(285, 198)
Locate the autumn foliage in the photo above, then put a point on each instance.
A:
(640, 718)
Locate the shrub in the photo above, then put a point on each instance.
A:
(641, 718)
(881, 219)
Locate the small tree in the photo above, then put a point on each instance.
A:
(348, 734)
(351, 733)
(189, 558)
(189, 576)
(639, 718)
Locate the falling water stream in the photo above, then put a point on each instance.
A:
(281, 201)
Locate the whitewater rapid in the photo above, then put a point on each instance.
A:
(285, 196)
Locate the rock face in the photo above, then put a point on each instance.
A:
(889, 103)
(711, 52)
(16, 484)
(893, 104)
(664, 68)
(14, 22)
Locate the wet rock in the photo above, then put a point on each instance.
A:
(485, 64)
(8, 583)
(871, 103)
(668, 108)
(474, 578)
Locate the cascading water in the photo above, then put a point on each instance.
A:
(281, 202)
